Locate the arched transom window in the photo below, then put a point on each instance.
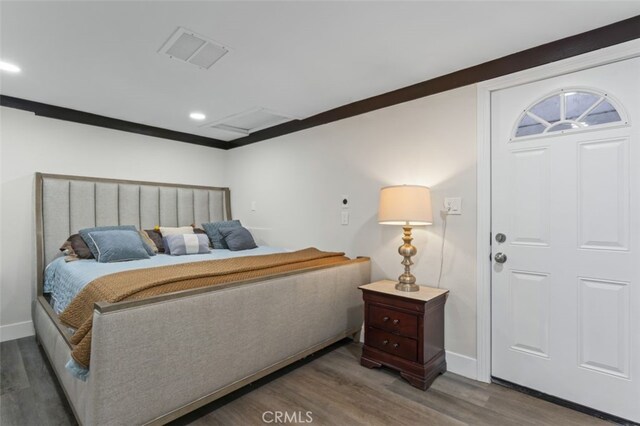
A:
(568, 110)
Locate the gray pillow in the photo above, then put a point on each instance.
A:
(238, 238)
(117, 245)
(212, 230)
(178, 245)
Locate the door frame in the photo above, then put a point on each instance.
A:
(619, 52)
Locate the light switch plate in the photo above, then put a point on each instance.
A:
(345, 217)
(453, 205)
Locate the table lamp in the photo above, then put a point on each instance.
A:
(406, 205)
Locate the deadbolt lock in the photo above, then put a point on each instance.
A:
(500, 237)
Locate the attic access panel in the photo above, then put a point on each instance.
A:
(245, 123)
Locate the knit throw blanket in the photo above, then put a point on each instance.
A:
(143, 283)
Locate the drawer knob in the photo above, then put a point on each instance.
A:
(395, 345)
(396, 321)
(385, 319)
(385, 342)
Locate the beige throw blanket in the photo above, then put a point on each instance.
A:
(143, 283)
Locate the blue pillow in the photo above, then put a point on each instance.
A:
(178, 245)
(212, 230)
(117, 245)
(84, 234)
(238, 238)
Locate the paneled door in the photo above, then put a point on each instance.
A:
(566, 237)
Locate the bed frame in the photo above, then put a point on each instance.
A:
(188, 348)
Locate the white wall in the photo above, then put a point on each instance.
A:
(297, 182)
(30, 144)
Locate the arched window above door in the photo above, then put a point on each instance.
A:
(568, 110)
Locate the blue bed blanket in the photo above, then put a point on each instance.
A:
(64, 280)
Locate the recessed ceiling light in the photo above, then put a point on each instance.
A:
(6, 66)
(197, 116)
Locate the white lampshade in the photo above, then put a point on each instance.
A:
(405, 205)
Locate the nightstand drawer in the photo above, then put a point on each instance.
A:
(393, 321)
(392, 343)
(404, 331)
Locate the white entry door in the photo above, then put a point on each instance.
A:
(566, 197)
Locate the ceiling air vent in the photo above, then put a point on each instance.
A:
(187, 46)
(247, 122)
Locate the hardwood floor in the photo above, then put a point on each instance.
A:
(331, 385)
(29, 391)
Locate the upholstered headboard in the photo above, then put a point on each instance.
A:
(66, 204)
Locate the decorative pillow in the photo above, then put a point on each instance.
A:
(149, 243)
(178, 245)
(67, 251)
(212, 229)
(167, 230)
(156, 237)
(201, 231)
(84, 233)
(118, 245)
(238, 238)
(76, 244)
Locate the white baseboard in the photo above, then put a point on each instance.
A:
(462, 365)
(16, 330)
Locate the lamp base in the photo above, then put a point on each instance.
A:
(407, 287)
(406, 281)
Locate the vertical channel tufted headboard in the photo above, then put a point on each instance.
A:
(66, 204)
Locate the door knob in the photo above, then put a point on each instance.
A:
(500, 257)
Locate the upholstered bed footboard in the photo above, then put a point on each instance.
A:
(185, 352)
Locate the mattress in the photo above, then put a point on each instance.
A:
(64, 280)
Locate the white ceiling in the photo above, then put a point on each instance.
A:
(296, 58)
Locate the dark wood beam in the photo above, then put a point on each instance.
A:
(618, 32)
(67, 114)
(599, 38)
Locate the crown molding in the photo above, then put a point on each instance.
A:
(599, 38)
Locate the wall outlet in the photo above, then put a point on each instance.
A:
(253, 206)
(453, 205)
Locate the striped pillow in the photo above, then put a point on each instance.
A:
(178, 245)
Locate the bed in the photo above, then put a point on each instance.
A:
(156, 359)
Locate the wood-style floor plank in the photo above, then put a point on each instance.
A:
(20, 408)
(331, 385)
(52, 408)
(13, 376)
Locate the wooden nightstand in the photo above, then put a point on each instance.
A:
(404, 331)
